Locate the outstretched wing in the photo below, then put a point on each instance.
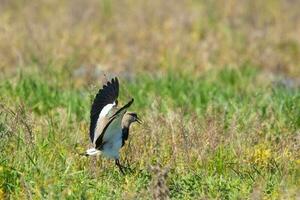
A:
(105, 99)
(113, 128)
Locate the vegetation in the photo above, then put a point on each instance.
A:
(216, 86)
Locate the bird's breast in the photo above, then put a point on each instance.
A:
(111, 149)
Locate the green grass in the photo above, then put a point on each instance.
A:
(214, 81)
(225, 134)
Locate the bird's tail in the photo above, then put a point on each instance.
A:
(92, 152)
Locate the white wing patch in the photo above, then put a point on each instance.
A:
(104, 112)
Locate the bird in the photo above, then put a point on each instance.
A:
(109, 125)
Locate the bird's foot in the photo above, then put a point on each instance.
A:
(122, 168)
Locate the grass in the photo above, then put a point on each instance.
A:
(216, 83)
(226, 134)
(150, 36)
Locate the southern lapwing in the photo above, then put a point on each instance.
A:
(109, 125)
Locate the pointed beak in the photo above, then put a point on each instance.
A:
(139, 120)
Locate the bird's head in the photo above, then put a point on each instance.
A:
(131, 117)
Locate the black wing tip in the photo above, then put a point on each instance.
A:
(129, 103)
(113, 81)
(124, 107)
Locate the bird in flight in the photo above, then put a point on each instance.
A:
(109, 125)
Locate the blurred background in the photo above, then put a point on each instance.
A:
(216, 82)
(149, 36)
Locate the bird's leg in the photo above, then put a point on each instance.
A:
(119, 166)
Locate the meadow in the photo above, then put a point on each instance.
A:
(216, 84)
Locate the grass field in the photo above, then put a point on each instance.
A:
(217, 87)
